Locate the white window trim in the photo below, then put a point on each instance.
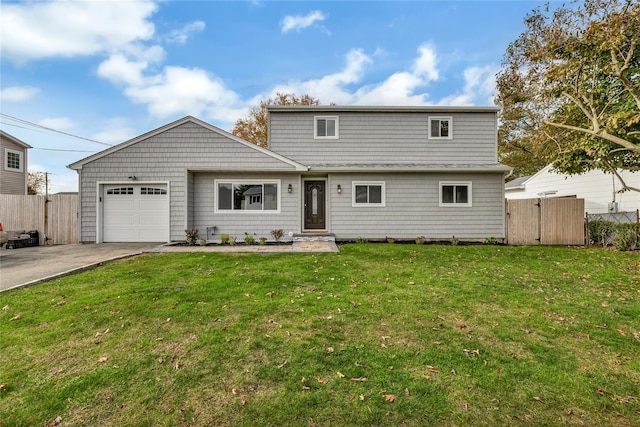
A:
(246, 182)
(315, 127)
(455, 205)
(450, 119)
(6, 160)
(368, 205)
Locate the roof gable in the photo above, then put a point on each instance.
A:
(188, 119)
(14, 139)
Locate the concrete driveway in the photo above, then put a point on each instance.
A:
(20, 267)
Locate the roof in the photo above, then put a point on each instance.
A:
(409, 167)
(517, 183)
(14, 139)
(188, 119)
(383, 109)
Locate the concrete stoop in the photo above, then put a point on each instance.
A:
(315, 242)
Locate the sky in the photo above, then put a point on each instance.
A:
(79, 76)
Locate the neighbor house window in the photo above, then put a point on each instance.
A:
(326, 127)
(13, 160)
(455, 194)
(243, 195)
(440, 127)
(368, 193)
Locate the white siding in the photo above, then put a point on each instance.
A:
(411, 208)
(385, 137)
(595, 187)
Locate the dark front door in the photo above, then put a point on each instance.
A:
(314, 205)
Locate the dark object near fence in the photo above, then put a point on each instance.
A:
(31, 238)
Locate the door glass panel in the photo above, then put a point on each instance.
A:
(314, 201)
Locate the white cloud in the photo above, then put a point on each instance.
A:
(425, 64)
(300, 22)
(479, 88)
(18, 93)
(61, 28)
(57, 123)
(182, 35)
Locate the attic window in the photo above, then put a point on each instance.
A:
(326, 127)
(440, 128)
(13, 160)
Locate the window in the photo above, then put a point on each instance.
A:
(455, 194)
(368, 194)
(326, 127)
(121, 190)
(440, 127)
(13, 160)
(242, 195)
(151, 191)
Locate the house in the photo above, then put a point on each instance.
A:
(598, 189)
(369, 172)
(13, 175)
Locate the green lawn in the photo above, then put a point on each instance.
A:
(378, 334)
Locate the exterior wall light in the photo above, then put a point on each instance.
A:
(290, 189)
(339, 189)
(133, 178)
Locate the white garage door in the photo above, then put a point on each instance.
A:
(135, 213)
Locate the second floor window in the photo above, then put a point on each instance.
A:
(13, 160)
(440, 127)
(326, 127)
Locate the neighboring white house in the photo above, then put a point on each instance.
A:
(598, 189)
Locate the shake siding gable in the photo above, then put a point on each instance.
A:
(385, 137)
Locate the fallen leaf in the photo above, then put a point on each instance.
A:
(537, 399)
(322, 380)
(361, 379)
(406, 392)
(390, 398)
(330, 349)
(5, 308)
(362, 398)
(3, 386)
(103, 359)
(432, 369)
(340, 374)
(16, 317)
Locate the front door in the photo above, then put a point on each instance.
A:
(314, 205)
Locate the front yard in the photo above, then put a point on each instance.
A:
(378, 334)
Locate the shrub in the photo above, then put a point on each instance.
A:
(491, 241)
(192, 236)
(232, 240)
(262, 241)
(627, 237)
(224, 238)
(600, 231)
(202, 242)
(277, 234)
(420, 240)
(391, 240)
(361, 240)
(249, 239)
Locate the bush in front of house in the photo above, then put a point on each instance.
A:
(191, 236)
(627, 237)
(600, 232)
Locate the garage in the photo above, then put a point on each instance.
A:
(135, 213)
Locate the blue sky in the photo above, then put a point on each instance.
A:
(111, 70)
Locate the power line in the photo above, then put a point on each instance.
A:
(59, 149)
(26, 122)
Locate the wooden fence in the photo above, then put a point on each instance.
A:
(56, 219)
(546, 221)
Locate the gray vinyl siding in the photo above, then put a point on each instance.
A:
(168, 157)
(412, 208)
(374, 137)
(258, 224)
(11, 181)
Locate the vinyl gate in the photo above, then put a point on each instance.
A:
(57, 218)
(545, 221)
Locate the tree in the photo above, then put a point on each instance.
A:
(570, 90)
(254, 128)
(36, 182)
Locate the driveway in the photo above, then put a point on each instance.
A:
(20, 267)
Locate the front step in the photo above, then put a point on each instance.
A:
(314, 237)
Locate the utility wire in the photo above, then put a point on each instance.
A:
(26, 122)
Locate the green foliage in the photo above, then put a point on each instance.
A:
(191, 236)
(600, 231)
(420, 240)
(491, 241)
(249, 239)
(627, 237)
(224, 238)
(361, 239)
(277, 234)
(262, 241)
(382, 335)
(570, 90)
(233, 240)
(390, 240)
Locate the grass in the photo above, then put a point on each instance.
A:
(376, 335)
